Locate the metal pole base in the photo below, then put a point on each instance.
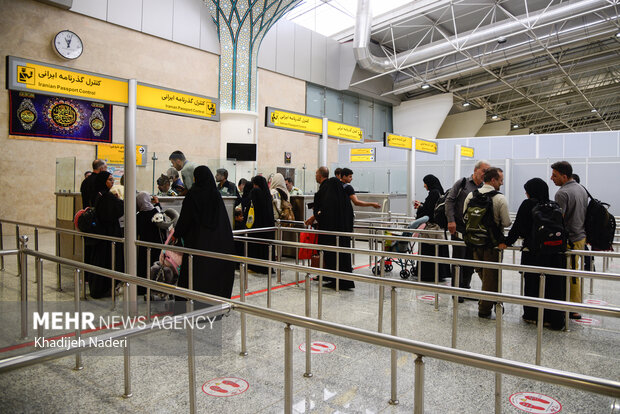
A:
(243, 354)
(128, 395)
(393, 402)
(81, 367)
(307, 374)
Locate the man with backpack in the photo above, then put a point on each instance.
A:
(454, 217)
(573, 200)
(485, 212)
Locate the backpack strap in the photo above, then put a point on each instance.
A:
(587, 192)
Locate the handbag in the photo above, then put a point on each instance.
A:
(171, 259)
(250, 221)
(309, 238)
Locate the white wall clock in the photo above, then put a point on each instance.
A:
(68, 44)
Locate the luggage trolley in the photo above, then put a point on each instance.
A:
(408, 266)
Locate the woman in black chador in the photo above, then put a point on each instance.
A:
(260, 199)
(427, 208)
(537, 191)
(204, 225)
(108, 209)
(333, 212)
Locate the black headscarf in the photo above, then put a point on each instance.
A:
(538, 189)
(261, 182)
(100, 182)
(432, 183)
(205, 198)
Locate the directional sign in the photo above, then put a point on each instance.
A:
(423, 145)
(293, 121)
(362, 158)
(114, 154)
(397, 141)
(156, 98)
(467, 152)
(362, 151)
(533, 402)
(344, 131)
(225, 387)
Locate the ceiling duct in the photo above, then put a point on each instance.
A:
(464, 41)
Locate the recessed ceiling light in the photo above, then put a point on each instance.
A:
(501, 40)
(515, 126)
(494, 117)
(426, 86)
(465, 103)
(618, 34)
(593, 110)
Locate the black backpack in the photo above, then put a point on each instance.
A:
(549, 236)
(480, 227)
(87, 221)
(439, 213)
(600, 225)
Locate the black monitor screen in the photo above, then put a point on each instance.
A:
(241, 152)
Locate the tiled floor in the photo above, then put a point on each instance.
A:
(354, 378)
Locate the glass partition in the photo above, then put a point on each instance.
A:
(65, 175)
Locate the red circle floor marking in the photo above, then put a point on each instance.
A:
(587, 321)
(225, 387)
(533, 402)
(595, 302)
(319, 347)
(427, 298)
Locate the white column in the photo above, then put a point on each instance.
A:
(239, 127)
(457, 163)
(507, 179)
(131, 262)
(323, 146)
(410, 181)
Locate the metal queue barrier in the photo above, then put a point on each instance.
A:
(422, 286)
(395, 343)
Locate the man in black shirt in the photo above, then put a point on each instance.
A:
(87, 188)
(346, 178)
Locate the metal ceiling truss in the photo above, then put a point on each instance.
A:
(547, 72)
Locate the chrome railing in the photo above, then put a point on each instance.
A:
(395, 343)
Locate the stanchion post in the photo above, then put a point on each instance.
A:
(148, 290)
(499, 313)
(338, 263)
(418, 386)
(297, 259)
(126, 350)
(308, 372)
(78, 310)
(393, 352)
(113, 262)
(23, 272)
(279, 250)
(36, 239)
(436, 277)
(541, 294)
(191, 368)
(567, 313)
(319, 309)
(381, 297)
(58, 268)
(39, 272)
(288, 368)
(17, 246)
(243, 268)
(269, 278)
(455, 306)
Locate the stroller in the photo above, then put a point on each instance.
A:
(168, 267)
(408, 266)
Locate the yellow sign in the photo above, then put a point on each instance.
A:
(362, 151)
(343, 131)
(358, 158)
(467, 152)
(27, 75)
(294, 121)
(425, 146)
(398, 141)
(115, 154)
(165, 100)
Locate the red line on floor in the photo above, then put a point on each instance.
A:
(68, 335)
(265, 290)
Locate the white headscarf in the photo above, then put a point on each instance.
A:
(143, 201)
(277, 181)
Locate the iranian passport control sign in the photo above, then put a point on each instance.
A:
(225, 387)
(533, 402)
(319, 347)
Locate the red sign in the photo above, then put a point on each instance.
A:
(587, 321)
(319, 347)
(225, 387)
(595, 302)
(533, 402)
(427, 298)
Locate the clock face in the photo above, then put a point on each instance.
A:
(68, 44)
